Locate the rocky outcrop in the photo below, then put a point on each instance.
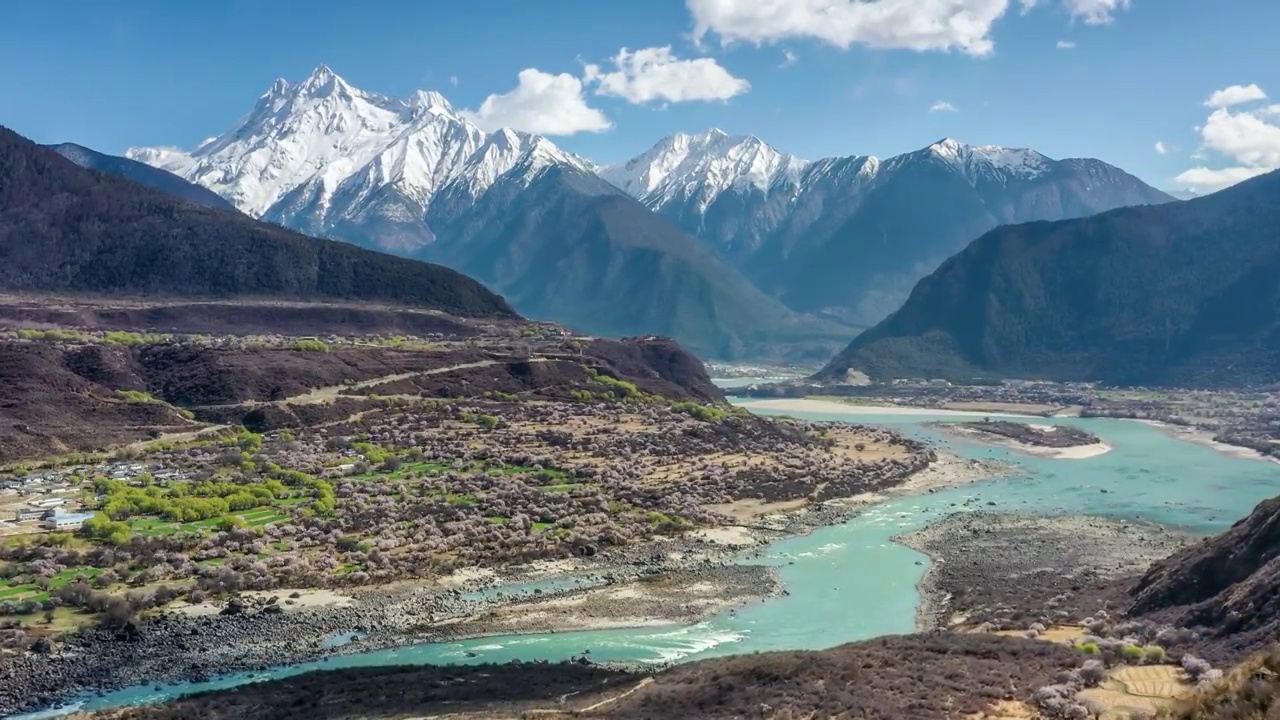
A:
(1229, 585)
(658, 365)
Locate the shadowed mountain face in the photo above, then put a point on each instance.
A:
(849, 236)
(417, 178)
(568, 246)
(64, 228)
(1177, 294)
(140, 173)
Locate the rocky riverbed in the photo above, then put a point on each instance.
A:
(1013, 570)
(681, 580)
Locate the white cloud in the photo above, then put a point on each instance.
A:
(788, 58)
(1210, 179)
(1235, 95)
(1246, 139)
(655, 73)
(541, 103)
(942, 106)
(921, 25)
(453, 80)
(962, 25)
(1066, 45)
(1095, 12)
(1161, 148)
(1243, 135)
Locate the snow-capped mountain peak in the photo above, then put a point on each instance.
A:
(323, 81)
(977, 160)
(704, 165)
(430, 100)
(324, 149)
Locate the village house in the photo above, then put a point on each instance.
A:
(59, 521)
(23, 514)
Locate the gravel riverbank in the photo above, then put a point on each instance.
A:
(680, 580)
(1013, 570)
(1065, 443)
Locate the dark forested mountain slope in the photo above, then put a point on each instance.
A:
(563, 244)
(1176, 294)
(141, 173)
(64, 228)
(921, 209)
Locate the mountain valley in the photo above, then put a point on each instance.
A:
(736, 249)
(417, 178)
(365, 408)
(849, 236)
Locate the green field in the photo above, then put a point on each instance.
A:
(32, 591)
(257, 517)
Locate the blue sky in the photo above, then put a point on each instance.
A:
(858, 80)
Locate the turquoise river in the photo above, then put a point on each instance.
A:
(850, 582)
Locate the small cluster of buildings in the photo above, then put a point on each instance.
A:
(53, 519)
(45, 496)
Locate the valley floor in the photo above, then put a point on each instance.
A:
(263, 500)
(276, 500)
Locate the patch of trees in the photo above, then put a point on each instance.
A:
(186, 502)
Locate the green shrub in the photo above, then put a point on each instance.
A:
(119, 337)
(1131, 654)
(1090, 648)
(229, 523)
(706, 413)
(311, 345)
(1153, 654)
(54, 335)
(138, 397)
(103, 528)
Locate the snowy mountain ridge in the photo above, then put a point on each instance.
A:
(705, 165)
(845, 238)
(320, 152)
(849, 236)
